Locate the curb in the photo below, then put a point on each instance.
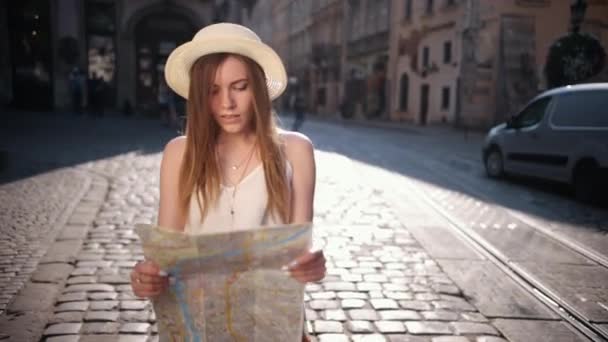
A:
(465, 161)
(392, 125)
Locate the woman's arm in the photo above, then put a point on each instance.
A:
(300, 153)
(170, 214)
(147, 279)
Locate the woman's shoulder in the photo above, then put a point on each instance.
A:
(296, 144)
(175, 148)
(176, 145)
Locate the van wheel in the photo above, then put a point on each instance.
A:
(586, 179)
(494, 163)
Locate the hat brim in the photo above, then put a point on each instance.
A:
(177, 67)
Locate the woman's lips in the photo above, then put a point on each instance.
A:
(230, 118)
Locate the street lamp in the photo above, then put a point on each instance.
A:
(577, 13)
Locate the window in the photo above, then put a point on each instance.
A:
(321, 97)
(445, 98)
(101, 48)
(447, 52)
(581, 109)
(425, 57)
(532, 114)
(429, 7)
(403, 98)
(408, 9)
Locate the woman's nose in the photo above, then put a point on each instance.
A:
(227, 100)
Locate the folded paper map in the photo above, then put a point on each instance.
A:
(228, 286)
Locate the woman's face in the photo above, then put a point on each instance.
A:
(232, 97)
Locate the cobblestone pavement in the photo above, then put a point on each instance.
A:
(381, 284)
(31, 211)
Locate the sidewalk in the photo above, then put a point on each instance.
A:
(464, 145)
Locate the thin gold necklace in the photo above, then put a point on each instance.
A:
(235, 185)
(235, 167)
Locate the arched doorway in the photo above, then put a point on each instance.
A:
(156, 35)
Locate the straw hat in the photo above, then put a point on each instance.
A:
(224, 37)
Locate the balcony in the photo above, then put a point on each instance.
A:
(324, 54)
(368, 44)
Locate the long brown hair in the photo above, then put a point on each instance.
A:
(200, 172)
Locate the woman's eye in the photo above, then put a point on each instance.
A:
(241, 86)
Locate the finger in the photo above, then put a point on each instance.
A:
(306, 257)
(148, 288)
(308, 271)
(141, 279)
(148, 267)
(304, 277)
(312, 264)
(304, 273)
(147, 294)
(139, 287)
(151, 279)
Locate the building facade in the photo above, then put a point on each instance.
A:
(335, 51)
(325, 58)
(475, 62)
(285, 25)
(120, 44)
(365, 58)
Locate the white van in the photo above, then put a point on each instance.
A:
(561, 135)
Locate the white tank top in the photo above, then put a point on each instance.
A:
(250, 202)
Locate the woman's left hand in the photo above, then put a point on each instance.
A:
(308, 267)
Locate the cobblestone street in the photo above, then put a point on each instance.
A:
(30, 212)
(68, 245)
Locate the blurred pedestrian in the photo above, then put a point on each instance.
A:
(96, 94)
(76, 81)
(299, 108)
(166, 104)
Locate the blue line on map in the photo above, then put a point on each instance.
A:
(179, 286)
(179, 289)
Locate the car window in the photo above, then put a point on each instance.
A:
(581, 109)
(532, 114)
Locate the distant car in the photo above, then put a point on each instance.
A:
(561, 135)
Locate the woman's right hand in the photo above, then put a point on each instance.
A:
(147, 280)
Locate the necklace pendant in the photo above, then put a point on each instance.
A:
(234, 167)
(232, 212)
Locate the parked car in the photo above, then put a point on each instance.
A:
(561, 135)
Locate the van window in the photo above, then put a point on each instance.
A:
(582, 109)
(532, 114)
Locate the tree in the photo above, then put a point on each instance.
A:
(573, 59)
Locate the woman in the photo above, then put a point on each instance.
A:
(233, 169)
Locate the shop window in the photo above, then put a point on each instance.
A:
(101, 50)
